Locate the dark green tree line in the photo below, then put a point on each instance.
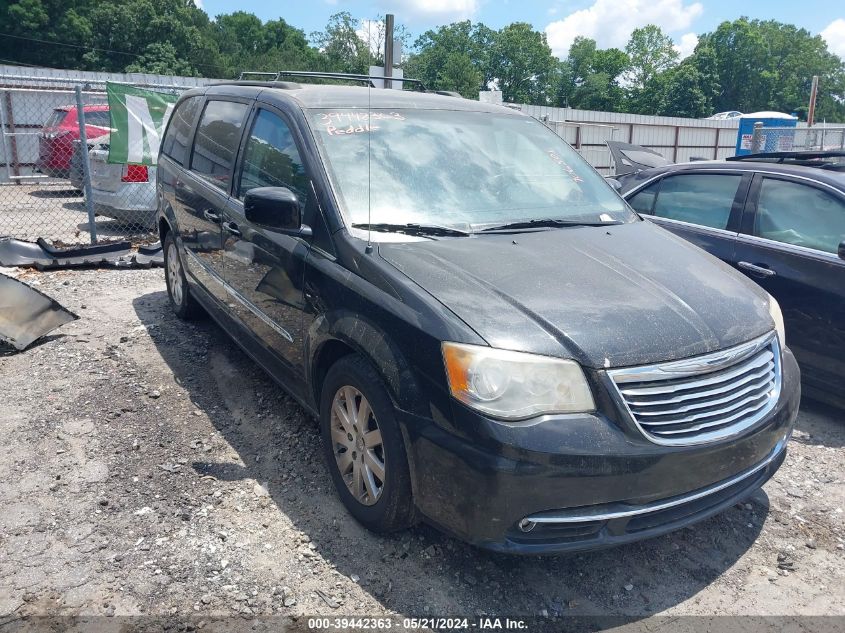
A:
(744, 64)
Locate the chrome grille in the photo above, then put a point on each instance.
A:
(704, 398)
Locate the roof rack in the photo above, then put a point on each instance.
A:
(276, 75)
(808, 155)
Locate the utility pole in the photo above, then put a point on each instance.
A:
(388, 50)
(814, 89)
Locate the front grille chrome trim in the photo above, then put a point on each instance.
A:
(705, 398)
(582, 515)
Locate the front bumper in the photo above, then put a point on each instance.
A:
(584, 481)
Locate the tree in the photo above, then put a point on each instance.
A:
(650, 54)
(522, 62)
(460, 75)
(341, 45)
(433, 49)
(682, 94)
(595, 76)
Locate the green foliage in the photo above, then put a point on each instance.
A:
(767, 65)
(744, 65)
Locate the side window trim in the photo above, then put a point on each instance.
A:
(658, 183)
(250, 103)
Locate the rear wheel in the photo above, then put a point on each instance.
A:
(363, 446)
(183, 304)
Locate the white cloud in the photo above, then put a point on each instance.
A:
(834, 35)
(686, 44)
(199, 4)
(610, 22)
(372, 32)
(408, 10)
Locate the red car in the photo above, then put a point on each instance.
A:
(55, 142)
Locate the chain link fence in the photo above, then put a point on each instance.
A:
(55, 179)
(796, 139)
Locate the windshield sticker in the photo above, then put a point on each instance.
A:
(342, 123)
(558, 160)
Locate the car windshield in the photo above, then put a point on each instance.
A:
(468, 170)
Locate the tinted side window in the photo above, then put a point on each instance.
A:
(703, 199)
(271, 158)
(175, 143)
(643, 201)
(216, 141)
(800, 215)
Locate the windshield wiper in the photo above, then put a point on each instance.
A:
(413, 228)
(544, 223)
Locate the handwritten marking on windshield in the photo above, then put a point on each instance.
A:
(358, 116)
(557, 159)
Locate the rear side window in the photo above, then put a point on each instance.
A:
(799, 214)
(703, 199)
(178, 135)
(216, 141)
(100, 118)
(271, 158)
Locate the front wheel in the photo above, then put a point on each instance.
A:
(363, 446)
(183, 304)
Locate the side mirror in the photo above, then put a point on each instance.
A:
(276, 209)
(614, 183)
(841, 251)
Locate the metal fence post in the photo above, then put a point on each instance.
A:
(86, 167)
(757, 138)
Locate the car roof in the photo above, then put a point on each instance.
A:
(834, 178)
(329, 96)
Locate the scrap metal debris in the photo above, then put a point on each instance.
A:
(27, 314)
(45, 256)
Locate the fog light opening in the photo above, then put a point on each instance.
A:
(527, 525)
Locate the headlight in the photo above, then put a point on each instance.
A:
(514, 385)
(777, 317)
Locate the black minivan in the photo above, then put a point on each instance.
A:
(492, 340)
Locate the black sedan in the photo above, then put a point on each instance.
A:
(780, 219)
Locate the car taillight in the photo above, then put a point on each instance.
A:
(135, 173)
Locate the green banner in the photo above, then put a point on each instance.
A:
(138, 118)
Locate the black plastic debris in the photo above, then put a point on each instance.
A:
(44, 256)
(27, 314)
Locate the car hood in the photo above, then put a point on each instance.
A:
(609, 296)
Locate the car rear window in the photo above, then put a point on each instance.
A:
(178, 135)
(100, 118)
(217, 139)
(56, 117)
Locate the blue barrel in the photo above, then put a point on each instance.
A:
(775, 140)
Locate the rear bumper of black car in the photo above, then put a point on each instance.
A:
(579, 482)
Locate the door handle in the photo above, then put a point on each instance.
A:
(211, 216)
(757, 270)
(231, 227)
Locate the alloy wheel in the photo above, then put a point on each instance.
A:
(174, 274)
(357, 445)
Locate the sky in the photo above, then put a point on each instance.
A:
(609, 22)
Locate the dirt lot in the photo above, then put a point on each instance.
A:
(151, 468)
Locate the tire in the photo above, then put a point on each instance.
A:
(183, 304)
(354, 379)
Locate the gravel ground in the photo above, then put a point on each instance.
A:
(151, 468)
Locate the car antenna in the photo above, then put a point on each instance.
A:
(369, 248)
